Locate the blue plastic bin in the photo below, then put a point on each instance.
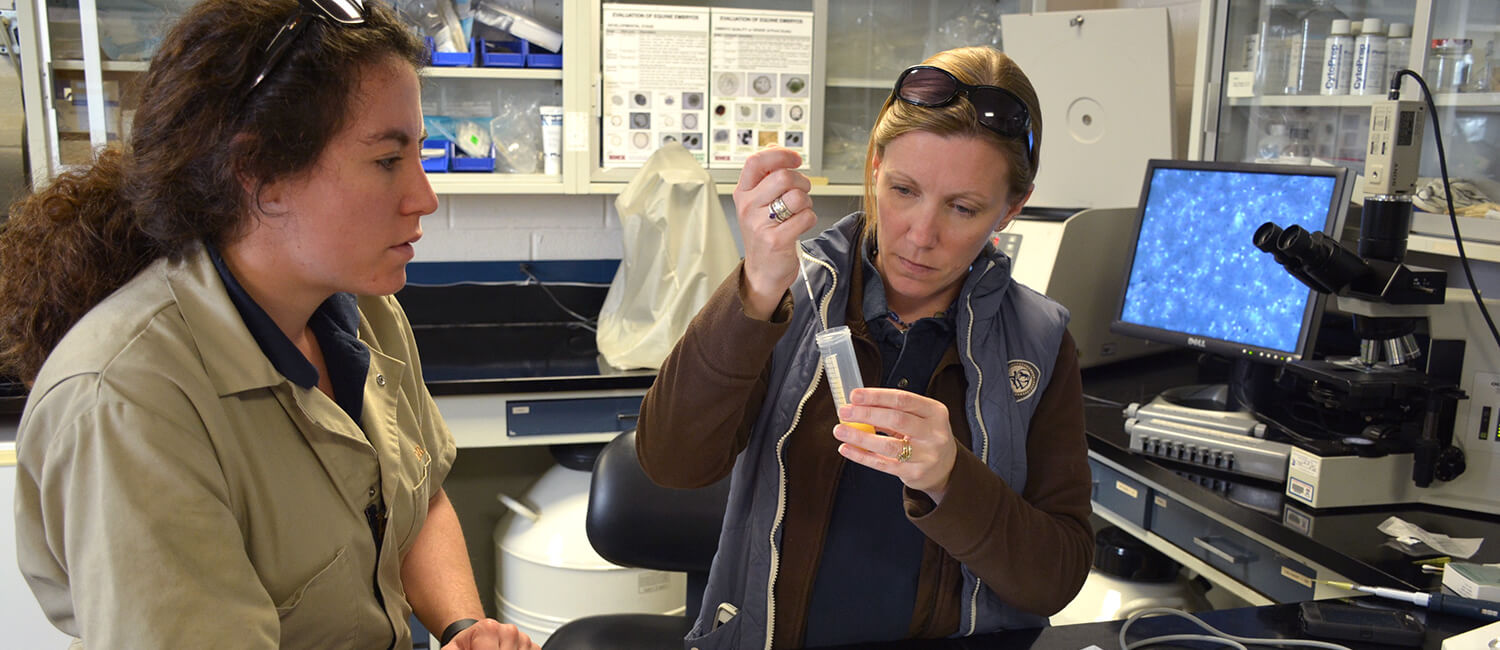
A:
(436, 163)
(458, 163)
(539, 57)
(452, 59)
(502, 53)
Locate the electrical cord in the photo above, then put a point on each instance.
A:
(1215, 636)
(583, 321)
(1458, 240)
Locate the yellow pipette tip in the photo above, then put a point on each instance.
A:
(1340, 585)
(860, 425)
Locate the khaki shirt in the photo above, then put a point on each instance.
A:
(176, 491)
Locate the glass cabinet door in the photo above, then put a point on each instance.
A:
(870, 42)
(1272, 94)
(85, 57)
(860, 46)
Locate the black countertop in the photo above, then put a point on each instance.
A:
(1271, 621)
(1344, 540)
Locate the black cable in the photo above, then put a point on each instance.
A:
(586, 322)
(1458, 240)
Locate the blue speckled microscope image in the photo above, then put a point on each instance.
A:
(1196, 270)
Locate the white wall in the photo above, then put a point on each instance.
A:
(517, 227)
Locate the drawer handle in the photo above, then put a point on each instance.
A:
(1208, 545)
(627, 416)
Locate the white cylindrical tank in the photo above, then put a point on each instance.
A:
(1129, 576)
(547, 573)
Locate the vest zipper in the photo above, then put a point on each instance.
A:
(781, 462)
(984, 450)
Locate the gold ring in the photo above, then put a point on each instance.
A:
(779, 211)
(905, 454)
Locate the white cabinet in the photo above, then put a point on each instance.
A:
(81, 49)
(1235, 120)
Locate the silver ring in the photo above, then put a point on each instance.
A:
(905, 454)
(779, 211)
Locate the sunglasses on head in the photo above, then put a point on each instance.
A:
(338, 12)
(999, 110)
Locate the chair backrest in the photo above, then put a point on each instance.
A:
(636, 523)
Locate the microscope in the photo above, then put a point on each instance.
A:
(1383, 423)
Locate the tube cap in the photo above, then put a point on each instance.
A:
(1340, 27)
(1400, 30)
(1372, 26)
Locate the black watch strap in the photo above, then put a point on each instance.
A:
(454, 628)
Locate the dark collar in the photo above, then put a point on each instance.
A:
(337, 318)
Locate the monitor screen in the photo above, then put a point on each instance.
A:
(1196, 278)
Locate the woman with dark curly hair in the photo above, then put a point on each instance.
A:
(228, 441)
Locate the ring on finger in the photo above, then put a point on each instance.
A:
(779, 211)
(905, 454)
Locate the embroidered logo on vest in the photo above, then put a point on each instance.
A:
(1023, 378)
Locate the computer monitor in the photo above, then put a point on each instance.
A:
(1195, 277)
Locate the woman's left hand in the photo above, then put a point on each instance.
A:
(909, 419)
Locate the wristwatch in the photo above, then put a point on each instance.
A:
(454, 628)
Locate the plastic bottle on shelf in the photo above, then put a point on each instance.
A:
(1305, 66)
(1338, 58)
(1450, 64)
(1369, 59)
(1397, 54)
(1273, 144)
(1278, 24)
(1492, 65)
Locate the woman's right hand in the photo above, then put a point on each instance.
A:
(771, 256)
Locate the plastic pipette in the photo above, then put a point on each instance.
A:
(811, 301)
(1456, 605)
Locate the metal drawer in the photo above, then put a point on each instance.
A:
(1277, 576)
(539, 417)
(1120, 494)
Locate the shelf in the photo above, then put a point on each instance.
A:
(1489, 101)
(726, 190)
(554, 74)
(1306, 100)
(856, 82)
(462, 183)
(107, 66)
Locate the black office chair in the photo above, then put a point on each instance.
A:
(633, 522)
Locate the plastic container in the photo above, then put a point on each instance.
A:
(1278, 26)
(1338, 58)
(451, 59)
(436, 153)
(547, 573)
(1305, 71)
(1271, 145)
(1450, 65)
(509, 53)
(1129, 576)
(1368, 76)
(1492, 65)
(1398, 55)
(837, 350)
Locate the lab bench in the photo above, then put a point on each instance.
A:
(1240, 533)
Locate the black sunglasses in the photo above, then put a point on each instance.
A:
(338, 12)
(999, 110)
